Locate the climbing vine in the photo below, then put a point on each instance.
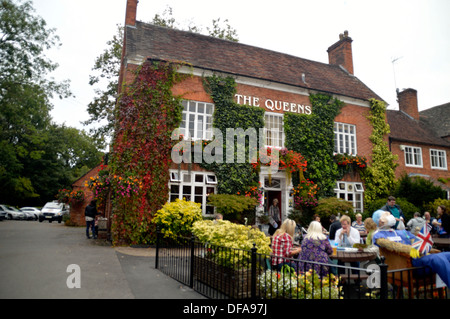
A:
(379, 177)
(232, 178)
(312, 136)
(147, 113)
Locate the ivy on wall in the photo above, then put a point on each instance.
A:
(379, 177)
(232, 178)
(147, 113)
(312, 136)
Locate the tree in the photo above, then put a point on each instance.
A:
(36, 155)
(107, 66)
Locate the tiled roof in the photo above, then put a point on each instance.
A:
(149, 41)
(438, 118)
(405, 128)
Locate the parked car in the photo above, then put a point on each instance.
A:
(12, 212)
(32, 212)
(2, 213)
(53, 211)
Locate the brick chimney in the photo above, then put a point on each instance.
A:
(407, 102)
(130, 14)
(340, 53)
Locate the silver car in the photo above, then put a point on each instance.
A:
(32, 212)
(2, 213)
(12, 212)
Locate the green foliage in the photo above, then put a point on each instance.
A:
(418, 190)
(312, 136)
(238, 237)
(379, 176)
(432, 206)
(106, 68)
(333, 206)
(176, 218)
(232, 206)
(232, 178)
(37, 157)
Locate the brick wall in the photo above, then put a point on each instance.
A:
(77, 210)
(426, 165)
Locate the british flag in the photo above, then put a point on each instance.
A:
(425, 241)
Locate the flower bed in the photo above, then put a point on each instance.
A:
(287, 284)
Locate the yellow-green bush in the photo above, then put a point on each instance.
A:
(175, 219)
(227, 234)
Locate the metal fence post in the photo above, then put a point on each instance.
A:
(157, 247)
(253, 273)
(191, 274)
(383, 279)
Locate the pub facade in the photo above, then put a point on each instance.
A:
(275, 83)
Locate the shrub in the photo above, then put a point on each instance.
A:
(333, 206)
(227, 234)
(176, 218)
(432, 206)
(418, 190)
(232, 207)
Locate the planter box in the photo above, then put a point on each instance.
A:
(233, 283)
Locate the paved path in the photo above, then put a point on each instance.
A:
(34, 259)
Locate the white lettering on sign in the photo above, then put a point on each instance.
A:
(274, 105)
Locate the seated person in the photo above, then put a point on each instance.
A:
(282, 245)
(346, 236)
(315, 247)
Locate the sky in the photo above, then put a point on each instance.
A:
(414, 33)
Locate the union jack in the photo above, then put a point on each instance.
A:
(425, 241)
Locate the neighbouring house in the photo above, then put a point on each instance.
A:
(421, 139)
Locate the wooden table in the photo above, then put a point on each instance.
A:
(442, 243)
(348, 257)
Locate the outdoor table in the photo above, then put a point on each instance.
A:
(348, 257)
(442, 243)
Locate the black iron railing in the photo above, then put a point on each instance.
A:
(220, 272)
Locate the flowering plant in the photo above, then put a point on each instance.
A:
(288, 284)
(77, 196)
(305, 194)
(287, 159)
(176, 218)
(122, 186)
(254, 192)
(344, 160)
(239, 238)
(63, 195)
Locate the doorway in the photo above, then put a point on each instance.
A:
(269, 197)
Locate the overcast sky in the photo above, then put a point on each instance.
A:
(412, 32)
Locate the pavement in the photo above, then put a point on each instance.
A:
(35, 261)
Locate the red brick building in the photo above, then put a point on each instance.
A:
(276, 82)
(420, 139)
(77, 210)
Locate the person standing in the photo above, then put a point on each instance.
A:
(274, 217)
(395, 211)
(335, 225)
(90, 212)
